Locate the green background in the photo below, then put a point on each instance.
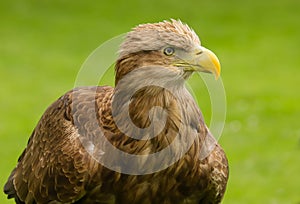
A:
(44, 43)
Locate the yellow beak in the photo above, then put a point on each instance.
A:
(204, 60)
(209, 62)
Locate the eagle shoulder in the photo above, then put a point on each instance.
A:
(55, 166)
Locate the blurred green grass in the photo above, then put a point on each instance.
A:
(44, 43)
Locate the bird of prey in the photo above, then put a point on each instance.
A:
(168, 154)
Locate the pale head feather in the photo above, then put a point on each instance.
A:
(155, 36)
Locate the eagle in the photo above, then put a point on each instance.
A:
(143, 141)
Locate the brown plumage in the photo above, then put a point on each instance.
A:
(67, 159)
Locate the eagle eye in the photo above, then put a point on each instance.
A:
(169, 51)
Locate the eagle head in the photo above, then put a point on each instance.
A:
(172, 45)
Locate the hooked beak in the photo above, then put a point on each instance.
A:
(204, 60)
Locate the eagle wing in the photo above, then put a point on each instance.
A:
(55, 165)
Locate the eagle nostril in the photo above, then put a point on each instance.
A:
(199, 52)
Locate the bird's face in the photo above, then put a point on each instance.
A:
(169, 45)
(195, 59)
